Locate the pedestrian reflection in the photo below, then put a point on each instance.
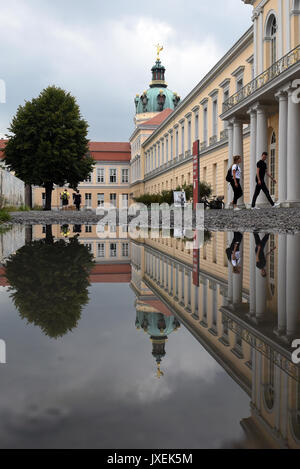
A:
(234, 252)
(261, 260)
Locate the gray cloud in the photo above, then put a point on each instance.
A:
(102, 52)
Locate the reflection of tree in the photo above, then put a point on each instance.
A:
(49, 283)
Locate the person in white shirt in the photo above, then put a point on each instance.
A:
(236, 181)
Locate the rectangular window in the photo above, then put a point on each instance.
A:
(113, 199)
(125, 200)
(88, 229)
(125, 249)
(182, 139)
(101, 250)
(100, 175)
(167, 149)
(88, 200)
(112, 175)
(215, 118)
(176, 144)
(205, 125)
(125, 176)
(88, 246)
(113, 250)
(89, 178)
(189, 135)
(196, 126)
(100, 200)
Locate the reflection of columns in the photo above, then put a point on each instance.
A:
(204, 282)
(230, 160)
(230, 273)
(292, 284)
(238, 148)
(281, 284)
(261, 296)
(252, 276)
(293, 145)
(253, 128)
(213, 287)
(238, 281)
(261, 141)
(282, 146)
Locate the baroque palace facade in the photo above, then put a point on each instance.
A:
(247, 104)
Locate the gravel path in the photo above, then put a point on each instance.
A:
(280, 220)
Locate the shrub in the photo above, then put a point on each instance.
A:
(4, 216)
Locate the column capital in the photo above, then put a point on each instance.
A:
(261, 108)
(281, 94)
(252, 111)
(237, 121)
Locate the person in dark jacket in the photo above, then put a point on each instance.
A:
(77, 200)
(261, 260)
(261, 171)
(234, 252)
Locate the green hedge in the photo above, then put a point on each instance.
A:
(167, 196)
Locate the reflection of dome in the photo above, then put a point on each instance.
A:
(158, 326)
(158, 97)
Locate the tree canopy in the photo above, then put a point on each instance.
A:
(48, 142)
(49, 283)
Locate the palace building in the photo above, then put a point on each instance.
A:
(245, 105)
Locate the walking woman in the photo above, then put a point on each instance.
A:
(236, 181)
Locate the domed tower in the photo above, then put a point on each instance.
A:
(158, 97)
(158, 326)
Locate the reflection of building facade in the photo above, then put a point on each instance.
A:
(111, 249)
(244, 321)
(245, 105)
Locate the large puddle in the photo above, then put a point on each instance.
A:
(148, 343)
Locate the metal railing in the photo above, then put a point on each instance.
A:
(261, 80)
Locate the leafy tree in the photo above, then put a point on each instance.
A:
(48, 143)
(49, 283)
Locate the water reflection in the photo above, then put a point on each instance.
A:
(49, 283)
(238, 295)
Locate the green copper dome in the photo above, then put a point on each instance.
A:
(158, 97)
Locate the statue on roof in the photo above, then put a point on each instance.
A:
(159, 49)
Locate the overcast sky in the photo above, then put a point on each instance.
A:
(102, 52)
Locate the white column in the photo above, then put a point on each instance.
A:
(230, 160)
(238, 281)
(255, 44)
(238, 148)
(279, 32)
(293, 150)
(261, 142)
(252, 276)
(230, 273)
(261, 41)
(292, 284)
(261, 296)
(281, 284)
(253, 161)
(282, 146)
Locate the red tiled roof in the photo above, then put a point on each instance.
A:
(101, 273)
(100, 151)
(159, 306)
(157, 120)
(111, 273)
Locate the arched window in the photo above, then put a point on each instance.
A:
(273, 162)
(271, 36)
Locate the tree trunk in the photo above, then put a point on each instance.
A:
(49, 189)
(28, 195)
(28, 234)
(49, 236)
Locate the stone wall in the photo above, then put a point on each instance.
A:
(11, 241)
(12, 188)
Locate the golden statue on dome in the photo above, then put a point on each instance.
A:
(159, 49)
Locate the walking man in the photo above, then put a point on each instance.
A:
(261, 171)
(77, 200)
(236, 174)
